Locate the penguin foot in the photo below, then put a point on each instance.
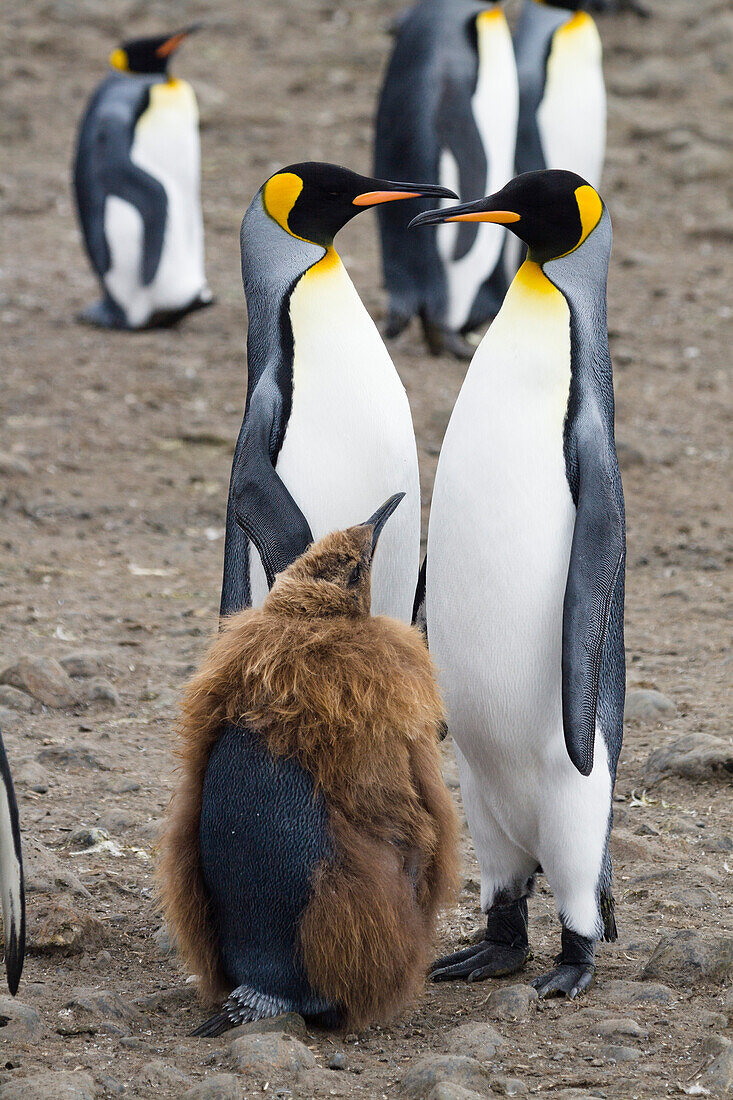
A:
(481, 960)
(395, 324)
(441, 341)
(504, 949)
(574, 968)
(103, 314)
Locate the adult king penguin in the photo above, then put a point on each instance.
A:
(327, 427)
(562, 94)
(136, 181)
(311, 838)
(525, 584)
(11, 877)
(448, 111)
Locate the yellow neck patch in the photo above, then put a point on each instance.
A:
(279, 196)
(485, 18)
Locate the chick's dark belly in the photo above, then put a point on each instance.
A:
(263, 834)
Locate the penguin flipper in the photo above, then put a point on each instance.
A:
(11, 877)
(242, 1006)
(596, 560)
(120, 176)
(263, 506)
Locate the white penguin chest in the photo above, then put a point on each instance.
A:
(494, 105)
(502, 520)
(572, 115)
(349, 441)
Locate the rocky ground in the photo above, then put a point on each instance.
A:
(115, 454)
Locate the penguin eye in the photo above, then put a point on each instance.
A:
(355, 576)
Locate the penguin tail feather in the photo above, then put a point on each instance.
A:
(243, 1006)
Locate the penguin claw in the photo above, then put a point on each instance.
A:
(480, 961)
(566, 980)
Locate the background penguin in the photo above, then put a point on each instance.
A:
(311, 839)
(448, 110)
(327, 427)
(525, 584)
(11, 877)
(562, 96)
(136, 181)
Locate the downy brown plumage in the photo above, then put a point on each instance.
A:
(353, 699)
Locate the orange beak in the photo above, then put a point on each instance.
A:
(501, 217)
(373, 198)
(175, 41)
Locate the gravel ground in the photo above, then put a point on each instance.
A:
(114, 462)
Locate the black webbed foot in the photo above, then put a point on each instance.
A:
(573, 971)
(103, 314)
(504, 949)
(395, 324)
(442, 341)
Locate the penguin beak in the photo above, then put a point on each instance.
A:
(386, 191)
(380, 517)
(176, 40)
(480, 211)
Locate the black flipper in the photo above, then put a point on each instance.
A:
(11, 877)
(262, 505)
(242, 1006)
(596, 561)
(120, 176)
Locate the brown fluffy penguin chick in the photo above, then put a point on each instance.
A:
(353, 700)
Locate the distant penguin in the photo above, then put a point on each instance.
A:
(562, 95)
(327, 427)
(137, 183)
(448, 110)
(11, 877)
(311, 839)
(525, 584)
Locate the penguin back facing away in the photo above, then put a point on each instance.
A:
(311, 839)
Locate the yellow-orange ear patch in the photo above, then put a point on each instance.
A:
(590, 208)
(279, 196)
(118, 60)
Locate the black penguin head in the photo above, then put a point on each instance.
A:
(552, 211)
(314, 200)
(334, 575)
(148, 55)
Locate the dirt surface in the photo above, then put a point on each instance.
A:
(116, 456)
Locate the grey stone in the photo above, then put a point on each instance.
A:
(646, 705)
(220, 1086)
(718, 1077)
(621, 1027)
(575, 1094)
(164, 942)
(79, 755)
(265, 1054)
(13, 464)
(474, 1040)
(30, 775)
(64, 1085)
(157, 1075)
(92, 1010)
(55, 928)
(444, 1090)
(10, 720)
(19, 1023)
(45, 873)
(692, 756)
(512, 1002)
(44, 679)
(84, 663)
(451, 1069)
(167, 1000)
(338, 1060)
(713, 1019)
(687, 956)
(614, 1053)
(100, 690)
(509, 1086)
(18, 700)
(288, 1023)
(716, 1044)
(89, 839)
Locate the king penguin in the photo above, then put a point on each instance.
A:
(525, 584)
(311, 839)
(448, 111)
(137, 182)
(562, 95)
(327, 427)
(11, 877)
